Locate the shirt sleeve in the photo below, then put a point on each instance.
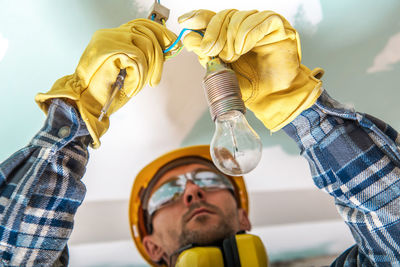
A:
(355, 158)
(41, 189)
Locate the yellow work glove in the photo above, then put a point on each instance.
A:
(136, 46)
(264, 51)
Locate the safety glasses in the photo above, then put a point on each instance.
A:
(172, 190)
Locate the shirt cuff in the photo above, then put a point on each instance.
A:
(314, 123)
(62, 126)
(328, 118)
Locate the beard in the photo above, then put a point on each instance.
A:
(208, 233)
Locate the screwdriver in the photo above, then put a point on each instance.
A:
(115, 88)
(159, 14)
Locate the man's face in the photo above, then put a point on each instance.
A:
(198, 216)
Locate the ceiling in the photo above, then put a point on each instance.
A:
(356, 42)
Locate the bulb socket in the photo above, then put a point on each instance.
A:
(222, 89)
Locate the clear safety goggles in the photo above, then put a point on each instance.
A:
(173, 189)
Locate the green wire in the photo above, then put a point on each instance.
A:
(174, 55)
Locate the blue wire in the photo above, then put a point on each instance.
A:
(153, 17)
(179, 38)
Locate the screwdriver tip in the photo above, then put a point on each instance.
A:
(101, 116)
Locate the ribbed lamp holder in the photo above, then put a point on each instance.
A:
(222, 89)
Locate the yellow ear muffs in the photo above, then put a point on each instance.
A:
(241, 250)
(251, 251)
(201, 257)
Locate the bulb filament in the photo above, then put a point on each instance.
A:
(236, 149)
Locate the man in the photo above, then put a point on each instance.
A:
(181, 198)
(353, 156)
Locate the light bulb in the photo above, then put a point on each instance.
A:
(235, 148)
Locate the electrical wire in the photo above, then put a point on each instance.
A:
(174, 55)
(179, 38)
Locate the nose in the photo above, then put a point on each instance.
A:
(192, 194)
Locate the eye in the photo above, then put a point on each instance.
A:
(170, 200)
(175, 197)
(165, 194)
(174, 182)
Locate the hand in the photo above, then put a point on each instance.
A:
(136, 46)
(264, 51)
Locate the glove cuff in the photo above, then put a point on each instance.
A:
(308, 102)
(278, 110)
(65, 88)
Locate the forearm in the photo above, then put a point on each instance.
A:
(355, 159)
(41, 190)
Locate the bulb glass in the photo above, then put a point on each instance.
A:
(235, 147)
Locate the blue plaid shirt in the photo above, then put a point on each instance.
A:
(352, 156)
(40, 191)
(355, 158)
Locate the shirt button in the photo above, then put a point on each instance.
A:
(64, 131)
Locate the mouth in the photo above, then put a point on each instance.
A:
(199, 211)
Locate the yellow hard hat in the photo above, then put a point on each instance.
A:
(137, 219)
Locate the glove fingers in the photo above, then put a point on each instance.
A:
(152, 38)
(106, 75)
(140, 66)
(192, 42)
(136, 46)
(203, 60)
(215, 36)
(253, 28)
(283, 32)
(228, 52)
(163, 36)
(261, 28)
(147, 42)
(196, 19)
(104, 45)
